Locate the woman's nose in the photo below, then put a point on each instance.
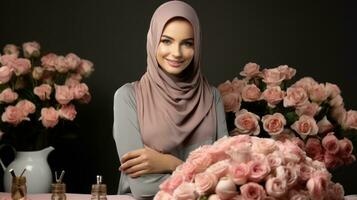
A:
(176, 51)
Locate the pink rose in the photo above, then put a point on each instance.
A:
(161, 195)
(313, 148)
(289, 174)
(205, 183)
(225, 88)
(310, 109)
(170, 184)
(226, 188)
(247, 122)
(8, 60)
(238, 85)
(339, 113)
(273, 77)
(276, 187)
(72, 61)
(240, 152)
(21, 66)
(250, 70)
(61, 64)
(305, 171)
(13, 115)
(336, 191)
(305, 126)
(274, 160)
(85, 68)
(274, 124)
(258, 170)
(5, 74)
(49, 117)
(63, 94)
(324, 125)
(188, 170)
(11, 49)
(332, 160)
(186, 191)
(346, 148)
(330, 143)
(332, 90)
(298, 142)
(79, 90)
(239, 173)
(202, 161)
(85, 99)
(8, 96)
(219, 169)
(273, 95)
(350, 121)
(74, 79)
(292, 153)
(31, 49)
(68, 112)
(252, 191)
(306, 83)
(298, 195)
(49, 61)
(43, 91)
(263, 145)
(37, 73)
(318, 93)
(231, 102)
(317, 186)
(251, 93)
(287, 71)
(213, 197)
(26, 106)
(336, 101)
(295, 96)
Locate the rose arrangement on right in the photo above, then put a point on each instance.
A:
(246, 167)
(267, 103)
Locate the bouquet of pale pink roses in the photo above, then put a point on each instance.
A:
(37, 92)
(266, 103)
(246, 167)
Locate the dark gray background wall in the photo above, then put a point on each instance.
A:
(315, 37)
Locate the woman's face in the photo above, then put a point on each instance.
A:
(176, 47)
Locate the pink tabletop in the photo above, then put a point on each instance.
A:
(6, 196)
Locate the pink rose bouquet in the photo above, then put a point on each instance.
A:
(38, 93)
(246, 167)
(266, 103)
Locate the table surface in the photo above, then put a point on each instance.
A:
(70, 196)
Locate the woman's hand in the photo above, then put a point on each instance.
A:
(147, 161)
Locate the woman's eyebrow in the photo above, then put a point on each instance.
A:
(174, 39)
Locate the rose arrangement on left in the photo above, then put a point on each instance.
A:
(39, 93)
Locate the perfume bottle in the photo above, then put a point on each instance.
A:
(99, 190)
(58, 188)
(18, 188)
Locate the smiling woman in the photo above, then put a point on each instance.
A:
(171, 110)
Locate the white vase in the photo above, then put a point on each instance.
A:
(38, 173)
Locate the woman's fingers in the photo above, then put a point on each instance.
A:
(136, 168)
(130, 163)
(138, 173)
(131, 155)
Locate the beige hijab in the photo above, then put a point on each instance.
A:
(174, 111)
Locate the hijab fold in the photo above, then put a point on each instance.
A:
(174, 110)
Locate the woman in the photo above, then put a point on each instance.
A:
(171, 110)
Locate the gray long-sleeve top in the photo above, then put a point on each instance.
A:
(126, 132)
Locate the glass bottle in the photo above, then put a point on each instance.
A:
(18, 188)
(99, 190)
(58, 191)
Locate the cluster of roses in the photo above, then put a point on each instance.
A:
(45, 87)
(307, 112)
(246, 167)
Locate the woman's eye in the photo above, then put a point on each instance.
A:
(166, 41)
(188, 44)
